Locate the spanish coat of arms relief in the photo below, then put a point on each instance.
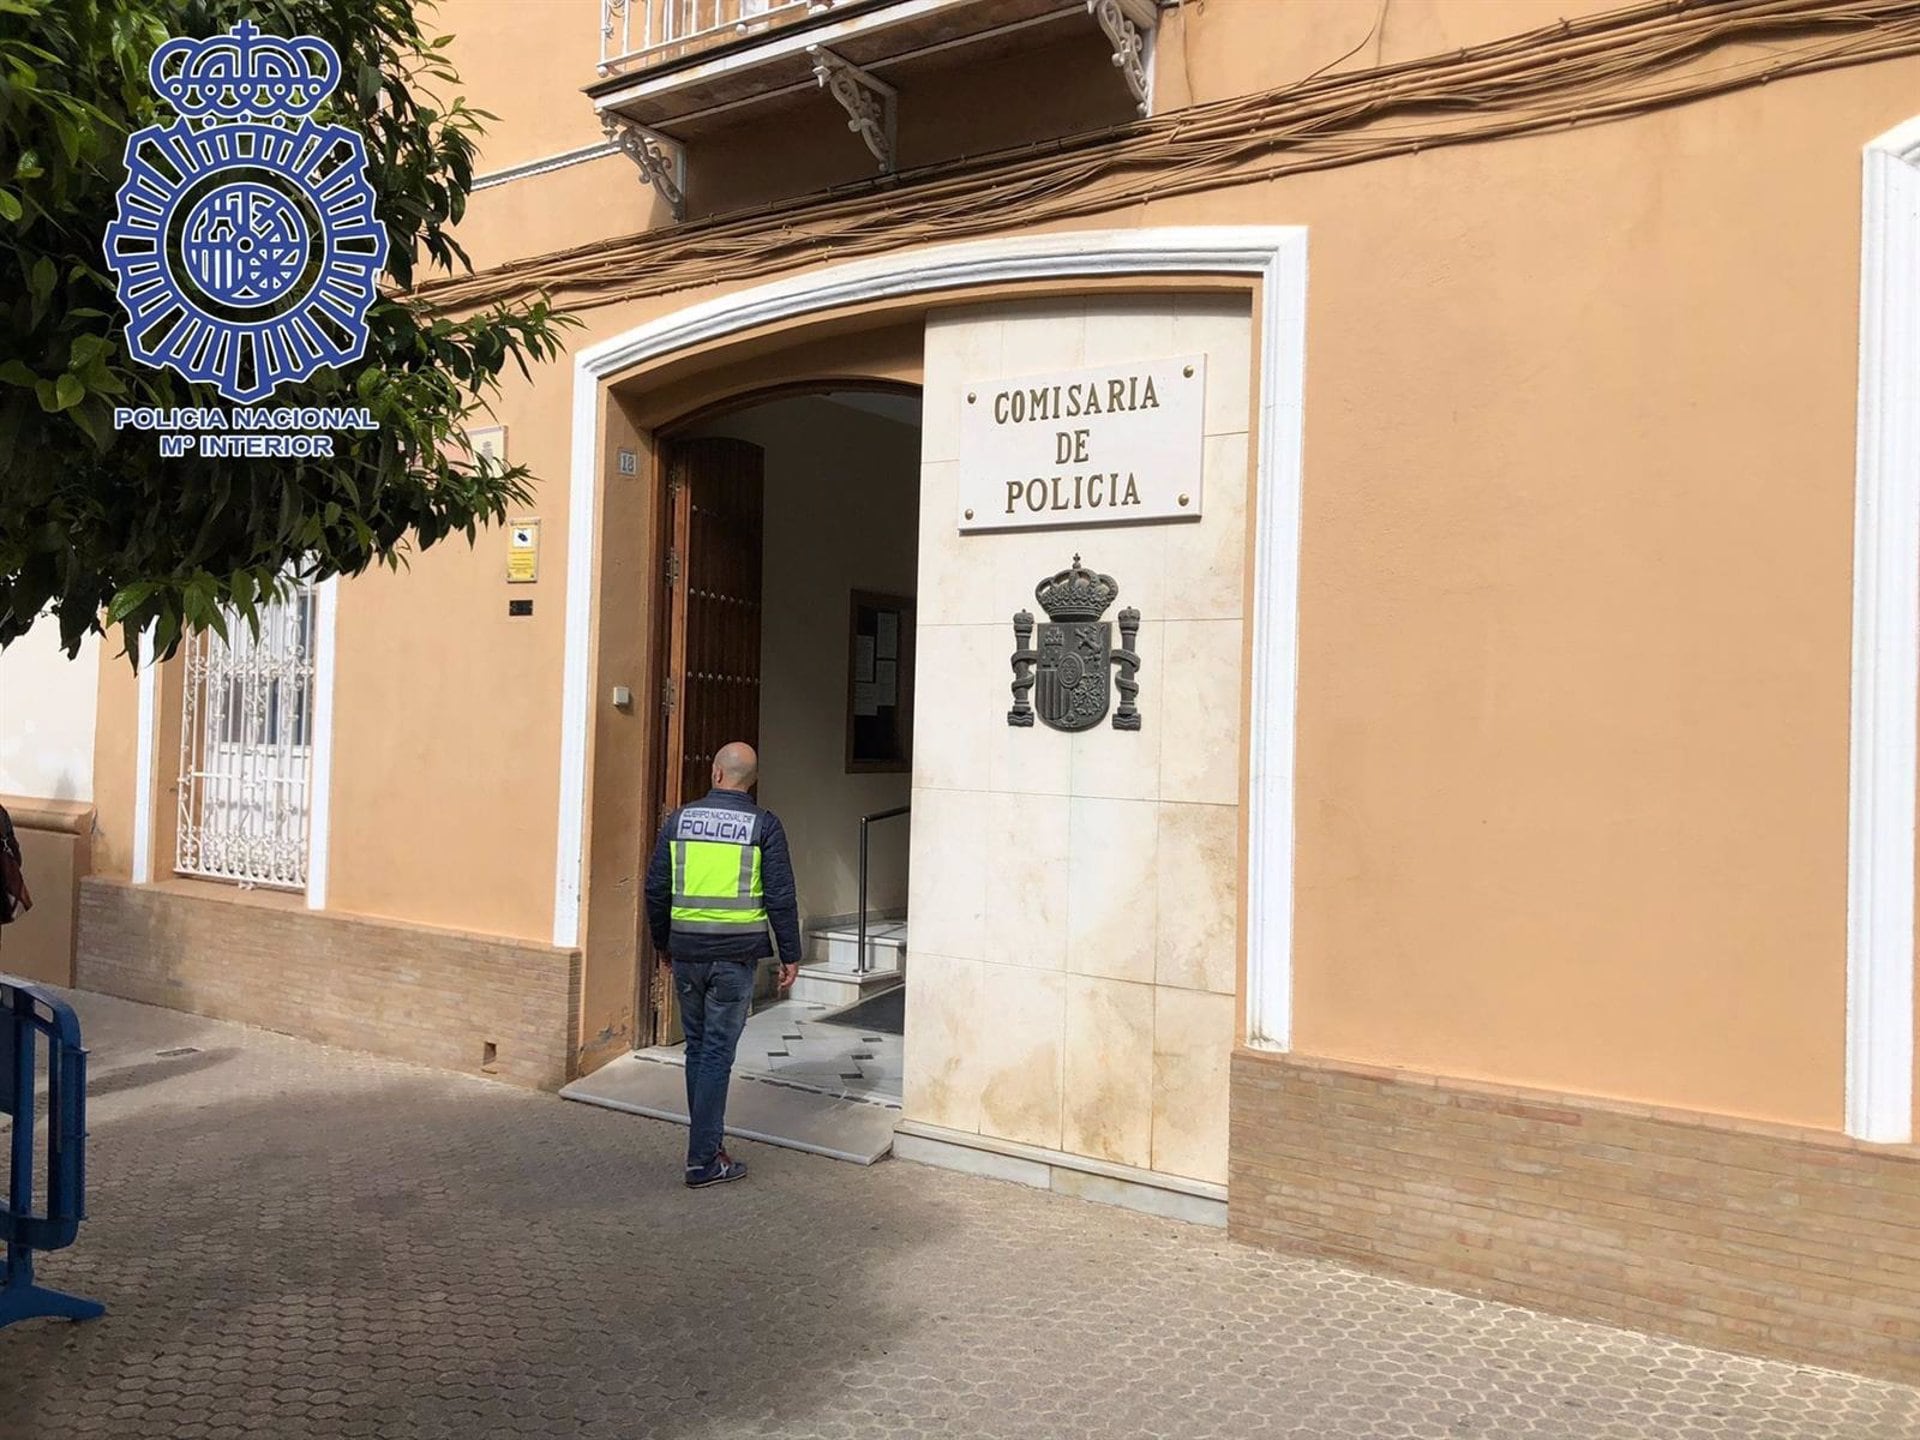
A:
(1064, 675)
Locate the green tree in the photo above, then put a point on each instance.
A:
(95, 526)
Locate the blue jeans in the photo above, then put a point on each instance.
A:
(713, 995)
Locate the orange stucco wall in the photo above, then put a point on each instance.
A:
(1576, 605)
(447, 726)
(116, 737)
(1575, 583)
(1211, 49)
(525, 64)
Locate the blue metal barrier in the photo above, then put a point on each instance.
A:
(28, 1015)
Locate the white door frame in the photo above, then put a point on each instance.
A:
(1276, 256)
(1886, 647)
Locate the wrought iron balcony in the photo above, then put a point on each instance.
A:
(635, 34)
(742, 80)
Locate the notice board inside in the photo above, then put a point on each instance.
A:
(879, 683)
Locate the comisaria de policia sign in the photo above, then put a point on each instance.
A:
(1092, 446)
(245, 244)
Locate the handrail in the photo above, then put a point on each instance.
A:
(860, 962)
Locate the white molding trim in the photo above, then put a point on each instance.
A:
(144, 761)
(545, 165)
(583, 496)
(1277, 255)
(1274, 676)
(1886, 648)
(326, 618)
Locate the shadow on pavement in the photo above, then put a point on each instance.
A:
(133, 1077)
(427, 1254)
(300, 1242)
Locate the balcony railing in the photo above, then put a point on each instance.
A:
(636, 34)
(682, 76)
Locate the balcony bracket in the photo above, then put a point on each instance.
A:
(869, 102)
(662, 163)
(1127, 23)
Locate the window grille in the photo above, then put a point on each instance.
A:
(246, 751)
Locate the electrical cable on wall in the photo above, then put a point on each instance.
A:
(1580, 72)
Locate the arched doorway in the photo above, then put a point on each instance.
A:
(788, 550)
(1006, 985)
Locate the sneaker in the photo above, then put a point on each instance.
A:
(722, 1169)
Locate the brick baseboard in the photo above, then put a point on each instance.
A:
(1765, 1239)
(437, 997)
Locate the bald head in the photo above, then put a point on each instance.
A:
(735, 767)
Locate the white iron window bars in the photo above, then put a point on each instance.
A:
(246, 748)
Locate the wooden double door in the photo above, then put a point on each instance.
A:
(710, 688)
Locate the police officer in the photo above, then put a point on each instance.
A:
(720, 874)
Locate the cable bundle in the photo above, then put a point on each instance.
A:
(1580, 72)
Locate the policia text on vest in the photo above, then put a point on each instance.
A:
(720, 876)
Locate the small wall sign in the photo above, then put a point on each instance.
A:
(1092, 446)
(523, 552)
(489, 446)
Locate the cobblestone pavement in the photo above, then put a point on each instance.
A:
(294, 1241)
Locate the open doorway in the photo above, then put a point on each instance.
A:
(790, 529)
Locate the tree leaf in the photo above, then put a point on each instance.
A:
(92, 418)
(126, 601)
(68, 134)
(166, 632)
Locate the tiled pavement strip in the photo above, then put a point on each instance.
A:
(296, 1241)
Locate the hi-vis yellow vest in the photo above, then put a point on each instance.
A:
(716, 873)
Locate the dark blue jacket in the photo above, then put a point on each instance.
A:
(776, 881)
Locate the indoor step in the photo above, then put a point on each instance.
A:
(838, 985)
(837, 947)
